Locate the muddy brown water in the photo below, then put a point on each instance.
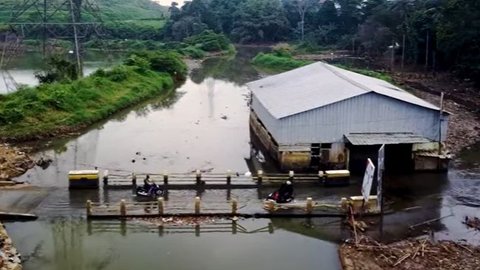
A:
(188, 131)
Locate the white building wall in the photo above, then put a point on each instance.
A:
(366, 113)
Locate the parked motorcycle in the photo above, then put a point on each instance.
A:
(153, 191)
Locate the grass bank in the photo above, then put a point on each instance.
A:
(368, 72)
(51, 109)
(280, 59)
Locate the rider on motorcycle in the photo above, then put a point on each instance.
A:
(284, 194)
(285, 191)
(147, 184)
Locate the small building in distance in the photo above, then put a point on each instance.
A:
(323, 117)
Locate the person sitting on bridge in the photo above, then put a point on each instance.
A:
(285, 193)
(147, 184)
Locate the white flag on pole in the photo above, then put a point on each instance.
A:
(367, 180)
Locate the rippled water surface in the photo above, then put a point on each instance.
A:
(203, 124)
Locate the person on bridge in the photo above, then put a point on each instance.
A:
(285, 193)
(147, 184)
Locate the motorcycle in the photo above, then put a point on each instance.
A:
(275, 196)
(153, 191)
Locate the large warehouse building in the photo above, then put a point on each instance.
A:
(322, 116)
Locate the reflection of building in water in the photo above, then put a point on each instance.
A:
(321, 116)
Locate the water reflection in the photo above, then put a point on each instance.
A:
(248, 244)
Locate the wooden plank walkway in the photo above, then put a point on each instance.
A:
(162, 208)
(195, 180)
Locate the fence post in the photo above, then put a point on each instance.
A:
(198, 177)
(105, 178)
(165, 178)
(89, 208)
(229, 177)
(234, 206)
(291, 175)
(259, 177)
(160, 205)
(309, 205)
(123, 208)
(270, 206)
(197, 205)
(134, 180)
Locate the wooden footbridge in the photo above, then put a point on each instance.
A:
(228, 180)
(196, 208)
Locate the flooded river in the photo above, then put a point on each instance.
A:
(203, 124)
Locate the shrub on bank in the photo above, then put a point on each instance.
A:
(278, 61)
(47, 108)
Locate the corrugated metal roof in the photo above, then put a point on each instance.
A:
(384, 138)
(319, 84)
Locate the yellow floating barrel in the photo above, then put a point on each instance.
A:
(337, 177)
(83, 179)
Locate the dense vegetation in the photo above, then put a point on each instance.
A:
(437, 33)
(132, 19)
(67, 104)
(280, 59)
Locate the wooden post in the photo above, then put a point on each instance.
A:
(165, 178)
(105, 178)
(197, 205)
(89, 208)
(234, 207)
(134, 180)
(309, 205)
(259, 177)
(229, 177)
(198, 177)
(123, 208)
(291, 175)
(270, 206)
(403, 51)
(160, 203)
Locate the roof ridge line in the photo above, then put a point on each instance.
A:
(363, 87)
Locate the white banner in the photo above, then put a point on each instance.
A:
(380, 168)
(367, 180)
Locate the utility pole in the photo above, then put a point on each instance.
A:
(392, 60)
(403, 51)
(426, 50)
(44, 36)
(74, 9)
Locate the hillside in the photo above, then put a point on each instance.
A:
(110, 10)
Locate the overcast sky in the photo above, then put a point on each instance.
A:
(167, 3)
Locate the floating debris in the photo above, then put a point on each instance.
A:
(472, 222)
(408, 254)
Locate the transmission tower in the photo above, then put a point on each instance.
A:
(54, 21)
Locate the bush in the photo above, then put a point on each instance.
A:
(277, 63)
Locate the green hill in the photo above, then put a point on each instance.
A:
(110, 10)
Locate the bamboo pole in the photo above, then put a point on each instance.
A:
(229, 177)
(198, 177)
(197, 205)
(259, 177)
(123, 208)
(309, 207)
(160, 203)
(89, 208)
(234, 206)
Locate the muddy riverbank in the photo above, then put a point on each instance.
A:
(9, 257)
(13, 162)
(422, 253)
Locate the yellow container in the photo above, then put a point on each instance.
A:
(84, 179)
